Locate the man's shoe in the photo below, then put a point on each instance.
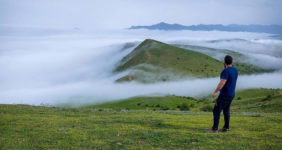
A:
(223, 130)
(212, 131)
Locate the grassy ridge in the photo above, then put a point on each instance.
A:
(182, 62)
(165, 61)
(256, 93)
(258, 100)
(252, 100)
(29, 127)
(150, 103)
(240, 60)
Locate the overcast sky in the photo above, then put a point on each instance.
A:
(119, 14)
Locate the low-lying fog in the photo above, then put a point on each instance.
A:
(59, 65)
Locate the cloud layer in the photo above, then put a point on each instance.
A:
(75, 66)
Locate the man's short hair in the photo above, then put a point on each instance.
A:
(228, 60)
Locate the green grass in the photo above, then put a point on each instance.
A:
(30, 127)
(252, 100)
(169, 63)
(255, 124)
(255, 100)
(255, 93)
(144, 103)
(239, 58)
(272, 105)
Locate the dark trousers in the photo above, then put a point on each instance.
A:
(222, 103)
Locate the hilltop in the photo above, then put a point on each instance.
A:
(154, 61)
(274, 29)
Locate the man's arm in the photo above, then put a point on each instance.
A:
(218, 88)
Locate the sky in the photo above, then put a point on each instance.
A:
(120, 14)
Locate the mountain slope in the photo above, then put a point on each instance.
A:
(241, 61)
(154, 61)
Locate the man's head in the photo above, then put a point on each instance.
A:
(228, 60)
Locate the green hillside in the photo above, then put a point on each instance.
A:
(240, 60)
(149, 103)
(137, 123)
(154, 61)
(29, 127)
(252, 100)
(258, 100)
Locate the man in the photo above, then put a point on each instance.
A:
(226, 86)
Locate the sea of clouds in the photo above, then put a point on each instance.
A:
(75, 66)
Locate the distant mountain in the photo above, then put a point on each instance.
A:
(274, 29)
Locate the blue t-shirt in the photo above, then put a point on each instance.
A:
(231, 75)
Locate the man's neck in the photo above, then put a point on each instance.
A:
(228, 65)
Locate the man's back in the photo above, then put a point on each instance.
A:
(226, 86)
(231, 75)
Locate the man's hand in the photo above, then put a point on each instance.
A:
(220, 85)
(214, 95)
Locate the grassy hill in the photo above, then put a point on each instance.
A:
(219, 54)
(252, 100)
(149, 103)
(140, 127)
(31, 127)
(154, 61)
(258, 100)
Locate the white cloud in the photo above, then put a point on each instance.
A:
(76, 65)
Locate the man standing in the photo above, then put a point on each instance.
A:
(226, 86)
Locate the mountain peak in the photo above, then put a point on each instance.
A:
(148, 40)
